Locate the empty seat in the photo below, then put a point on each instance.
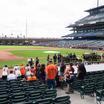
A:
(99, 96)
(4, 99)
(87, 90)
(34, 95)
(50, 93)
(62, 100)
(42, 87)
(16, 90)
(44, 101)
(18, 97)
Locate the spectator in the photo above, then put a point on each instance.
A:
(59, 57)
(5, 72)
(28, 73)
(23, 71)
(16, 67)
(38, 71)
(27, 67)
(31, 78)
(42, 73)
(36, 61)
(11, 76)
(17, 71)
(55, 58)
(62, 68)
(81, 72)
(51, 72)
(30, 62)
(48, 58)
(33, 70)
(69, 77)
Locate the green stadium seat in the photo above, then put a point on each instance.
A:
(50, 93)
(16, 90)
(62, 100)
(42, 87)
(44, 101)
(18, 97)
(4, 99)
(34, 95)
(99, 96)
(87, 90)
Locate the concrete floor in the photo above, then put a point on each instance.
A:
(76, 99)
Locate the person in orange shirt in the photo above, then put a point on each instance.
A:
(23, 71)
(51, 72)
(31, 78)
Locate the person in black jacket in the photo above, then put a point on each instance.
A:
(55, 58)
(36, 61)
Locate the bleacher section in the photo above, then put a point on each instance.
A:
(91, 44)
(88, 32)
(33, 92)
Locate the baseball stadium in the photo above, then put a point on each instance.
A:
(66, 70)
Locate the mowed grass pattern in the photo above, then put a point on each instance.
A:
(36, 51)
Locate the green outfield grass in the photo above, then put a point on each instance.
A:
(3, 47)
(36, 51)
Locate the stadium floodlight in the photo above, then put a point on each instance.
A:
(97, 3)
(26, 29)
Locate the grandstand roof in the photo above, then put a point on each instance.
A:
(91, 25)
(96, 8)
(93, 17)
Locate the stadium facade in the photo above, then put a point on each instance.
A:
(89, 27)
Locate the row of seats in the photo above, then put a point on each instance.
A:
(93, 82)
(75, 43)
(24, 92)
(19, 100)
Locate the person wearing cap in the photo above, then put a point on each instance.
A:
(51, 72)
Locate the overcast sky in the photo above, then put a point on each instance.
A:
(45, 18)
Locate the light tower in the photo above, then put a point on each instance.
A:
(97, 3)
(26, 28)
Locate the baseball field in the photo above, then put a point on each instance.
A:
(13, 55)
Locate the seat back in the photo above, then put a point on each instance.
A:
(62, 100)
(4, 99)
(50, 93)
(44, 101)
(18, 97)
(34, 95)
